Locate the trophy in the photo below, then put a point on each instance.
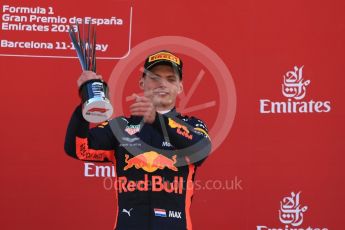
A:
(96, 106)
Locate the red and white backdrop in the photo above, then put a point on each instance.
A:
(266, 76)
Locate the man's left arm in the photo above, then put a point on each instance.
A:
(184, 132)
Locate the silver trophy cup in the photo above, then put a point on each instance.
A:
(94, 93)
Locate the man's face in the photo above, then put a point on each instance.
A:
(161, 84)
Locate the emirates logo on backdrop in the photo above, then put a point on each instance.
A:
(291, 214)
(294, 88)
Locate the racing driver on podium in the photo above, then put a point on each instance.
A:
(155, 151)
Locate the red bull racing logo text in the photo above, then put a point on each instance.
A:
(155, 183)
(180, 129)
(150, 162)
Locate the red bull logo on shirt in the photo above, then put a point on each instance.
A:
(180, 129)
(150, 162)
(155, 183)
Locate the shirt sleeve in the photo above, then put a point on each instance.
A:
(83, 143)
(187, 133)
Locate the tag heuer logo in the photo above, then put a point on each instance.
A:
(132, 129)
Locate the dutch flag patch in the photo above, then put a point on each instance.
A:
(160, 212)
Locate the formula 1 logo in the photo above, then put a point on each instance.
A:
(100, 110)
(150, 162)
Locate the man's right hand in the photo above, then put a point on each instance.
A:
(86, 76)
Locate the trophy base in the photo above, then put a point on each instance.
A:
(97, 110)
